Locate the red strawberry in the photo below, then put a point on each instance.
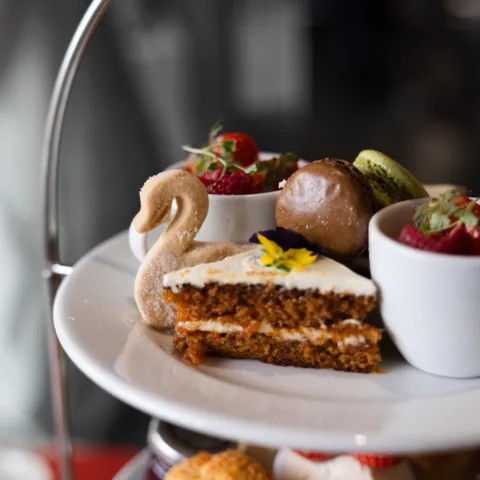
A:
(205, 180)
(245, 151)
(460, 200)
(377, 461)
(316, 456)
(458, 241)
(237, 154)
(190, 166)
(475, 234)
(237, 183)
(413, 238)
(476, 247)
(476, 210)
(258, 182)
(448, 224)
(209, 177)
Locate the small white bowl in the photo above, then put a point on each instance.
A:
(429, 302)
(231, 218)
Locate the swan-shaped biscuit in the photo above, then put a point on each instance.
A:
(176, 247)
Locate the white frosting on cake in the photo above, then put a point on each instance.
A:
(324, 275)
(299, 334)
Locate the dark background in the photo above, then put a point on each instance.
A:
(323, 78)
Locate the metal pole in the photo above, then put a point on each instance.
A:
(54, 270)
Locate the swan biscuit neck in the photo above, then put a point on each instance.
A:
(156, 198)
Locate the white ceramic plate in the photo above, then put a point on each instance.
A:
(403, 410)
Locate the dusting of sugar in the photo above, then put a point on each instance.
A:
(127, 318)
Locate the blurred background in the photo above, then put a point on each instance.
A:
(318, 77)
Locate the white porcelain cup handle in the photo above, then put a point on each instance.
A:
(138, 242)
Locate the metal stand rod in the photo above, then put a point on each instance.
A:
(54, 270)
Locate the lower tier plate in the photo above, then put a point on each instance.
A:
(403, 410)
(136, 468)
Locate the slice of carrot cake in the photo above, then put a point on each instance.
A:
(286, 308)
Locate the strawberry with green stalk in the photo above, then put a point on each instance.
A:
(229, 165)
(448, 224)
(224, 150)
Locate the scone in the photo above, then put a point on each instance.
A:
(229, 465)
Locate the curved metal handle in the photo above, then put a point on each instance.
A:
(54, 270)
(54, 123)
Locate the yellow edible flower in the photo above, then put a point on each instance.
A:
(293, 258)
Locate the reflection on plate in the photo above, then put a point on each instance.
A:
(401, 382)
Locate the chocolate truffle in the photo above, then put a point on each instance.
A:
(330, 204)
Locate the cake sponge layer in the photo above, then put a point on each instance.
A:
(362, 358)
(281, 307)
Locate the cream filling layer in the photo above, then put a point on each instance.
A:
(299, 334)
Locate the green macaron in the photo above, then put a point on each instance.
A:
(390, 182)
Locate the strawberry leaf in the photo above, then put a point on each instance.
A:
(252, 169)
(229, 146)
(289, 157)
(420, 219)
(448, 195)
(199, 151)
(469, 219)
(200, 166)
(439, 221)
(445, 213)
(451, 208)
(215, 130)
(213, 166)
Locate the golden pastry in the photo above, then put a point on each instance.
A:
(229, 465)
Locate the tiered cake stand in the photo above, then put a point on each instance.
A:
(95, 321)
(54, 271)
